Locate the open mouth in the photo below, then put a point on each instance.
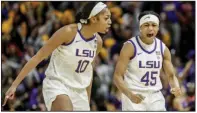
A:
(107, 29)
(150, 35)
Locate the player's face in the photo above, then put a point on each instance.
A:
(104, 21)
(149, 29)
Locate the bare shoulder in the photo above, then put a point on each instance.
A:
(99, 39)
(167, 54)
(68, 29)
(99, 43)
(68, 32)
(128, 49)
(71, 27)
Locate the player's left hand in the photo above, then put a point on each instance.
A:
(176, 91)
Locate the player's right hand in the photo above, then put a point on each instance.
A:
(176, 91)
(137, 98)
(9, 94)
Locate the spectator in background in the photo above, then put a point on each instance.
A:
(40, 20)
(170, 10)
(187, 23)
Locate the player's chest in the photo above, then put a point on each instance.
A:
(148, 61)
(83, 51)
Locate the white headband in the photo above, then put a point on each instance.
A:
(149, 18)
(97, 9)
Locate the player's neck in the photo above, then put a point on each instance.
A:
(87, 31)
(147, 41)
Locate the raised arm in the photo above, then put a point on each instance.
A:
(169, 71)
(64, 34)
(186, 69)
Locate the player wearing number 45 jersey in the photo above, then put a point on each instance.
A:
(67, 85)
(137, 73)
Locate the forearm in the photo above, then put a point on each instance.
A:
(32, 63)
(119, 82)
(119, 76)
(173, 81)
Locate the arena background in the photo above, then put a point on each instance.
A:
(26, 26)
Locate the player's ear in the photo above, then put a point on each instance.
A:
(140, 29)
(93, 19)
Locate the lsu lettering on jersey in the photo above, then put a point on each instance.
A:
(143, 72)
(71, 63)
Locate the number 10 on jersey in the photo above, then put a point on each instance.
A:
(82, 65)
(150, 80)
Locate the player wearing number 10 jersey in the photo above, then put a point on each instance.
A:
(67, 85)
(137, 73)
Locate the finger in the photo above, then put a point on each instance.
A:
(136, 100)
(176, 89)
(173, 91)
(5, 100)
(139, 100)
(141, 97)
(12, 96)
(180, 93)
(177, 95)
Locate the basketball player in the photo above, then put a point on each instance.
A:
(67, 85)
(137, 73)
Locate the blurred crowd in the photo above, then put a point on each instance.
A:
(26, 26)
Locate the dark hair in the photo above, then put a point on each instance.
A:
(85, 11)
(148, 12)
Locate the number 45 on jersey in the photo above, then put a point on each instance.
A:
(150, 78)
